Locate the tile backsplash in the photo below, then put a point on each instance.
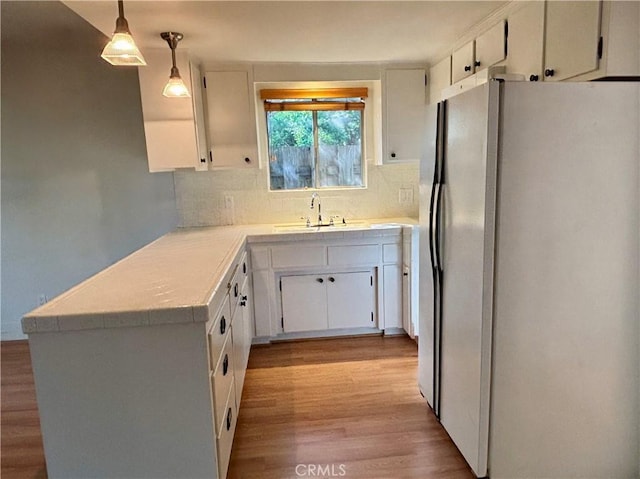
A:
(227, 197)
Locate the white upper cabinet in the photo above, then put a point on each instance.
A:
(526, 40)
(490, 47)
(439, 79)
(571, 39)
(405, 100)
(174, 134)
(463, 62)
(621, 40)
(231, 119)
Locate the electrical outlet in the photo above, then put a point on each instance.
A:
(42, 299)
(405, 196)
(228, 202)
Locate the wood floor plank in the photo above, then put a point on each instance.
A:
(351, 402)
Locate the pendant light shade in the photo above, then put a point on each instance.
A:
(175, 87)
(122, 50)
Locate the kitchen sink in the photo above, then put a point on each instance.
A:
(349, 225)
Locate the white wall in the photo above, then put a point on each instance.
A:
(76, 192)
(200, 197)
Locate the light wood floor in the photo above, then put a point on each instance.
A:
(342, 401)
(350, 403)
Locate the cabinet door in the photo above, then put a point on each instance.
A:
(247, 319)
(439, 79)
(232, 128)
(169, 123)
(405, 93)
(571, 39)
(462, 64)
(526, 40)
(490, 47)
(238, 335)
(392, 287)
(350, 300)
(304, 303)
(198, 112)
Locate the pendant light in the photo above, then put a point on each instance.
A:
(122, 50)
(175, 87)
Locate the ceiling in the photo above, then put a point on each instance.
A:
(296, 31)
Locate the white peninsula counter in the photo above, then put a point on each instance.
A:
(139, 369)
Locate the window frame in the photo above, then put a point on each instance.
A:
(370, 128)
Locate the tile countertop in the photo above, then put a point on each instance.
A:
(171, 280)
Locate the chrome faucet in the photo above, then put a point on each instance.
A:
(314, 197)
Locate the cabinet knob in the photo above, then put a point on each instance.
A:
(405, 274)
(203, 160)
(225, 365)
(247, 160)
(549, 72)
(477, 63)
(467, 68)
(223, 325)
(243, 303)
(393, 155)
(332, 279)
(534, 78)
(244, 298)
(320, 280)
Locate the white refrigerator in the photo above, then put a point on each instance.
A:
(529, 277)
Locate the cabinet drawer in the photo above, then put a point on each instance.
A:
(298, 256)
(240, 272)
(354, 255)
(222, 380)
(218, 333)
(225, 435)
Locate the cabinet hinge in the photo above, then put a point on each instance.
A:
(204, 82)
(372, 316)
(425, 80)
(210, 156)
(282, 323)
(371, 280)
(280, 285)
(600, 45)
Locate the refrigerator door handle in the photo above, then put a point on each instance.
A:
(434, 187)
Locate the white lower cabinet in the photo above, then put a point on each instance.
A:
(329, 281)
(351, 300)
(304, 303)
(229, 341)
(316, 302)
(226, 433)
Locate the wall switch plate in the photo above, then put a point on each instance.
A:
(42, 299)
(228, 202)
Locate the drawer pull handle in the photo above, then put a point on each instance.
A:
(244, 268)
(235, 290)
(225, 365)
(229, 419)
(223, 325)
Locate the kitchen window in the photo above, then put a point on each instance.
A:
(315, 137)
